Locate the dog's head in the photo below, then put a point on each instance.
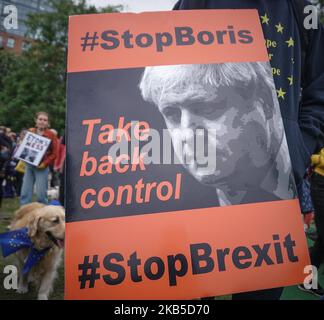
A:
(47, 227)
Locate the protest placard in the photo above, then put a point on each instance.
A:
(179, 182)
(32, 149)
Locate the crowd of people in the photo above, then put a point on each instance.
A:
(21, 179)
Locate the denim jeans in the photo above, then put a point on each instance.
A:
(34, 176)
(1, 190)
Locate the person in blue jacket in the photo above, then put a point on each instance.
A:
(297, 60)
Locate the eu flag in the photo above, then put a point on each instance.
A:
(15, 240)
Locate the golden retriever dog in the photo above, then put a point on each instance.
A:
(46, 229)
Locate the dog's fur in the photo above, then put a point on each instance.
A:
(46, 228)
(53, 194)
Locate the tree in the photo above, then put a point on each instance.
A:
(7, 64)
(36, 80)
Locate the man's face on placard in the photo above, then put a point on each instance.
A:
(235, 122)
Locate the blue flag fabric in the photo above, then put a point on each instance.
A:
(55, 203)
(33, 258)
(15, 240)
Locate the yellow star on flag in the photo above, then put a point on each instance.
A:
(281, 93)
(279, 27)
(290, 42)
(265, 19)
(291, 80)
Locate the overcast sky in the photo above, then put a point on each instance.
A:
(137, 5)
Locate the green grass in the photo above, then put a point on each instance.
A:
(6, 213)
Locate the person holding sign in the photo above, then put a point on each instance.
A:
(296, 56)
(38, 175)
(238, 101)
(5, 150)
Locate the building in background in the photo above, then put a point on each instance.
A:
(15, 40)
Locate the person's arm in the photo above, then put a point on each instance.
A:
(311, 117)
(50, 157)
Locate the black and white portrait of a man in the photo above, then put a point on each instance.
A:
(238, 103)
